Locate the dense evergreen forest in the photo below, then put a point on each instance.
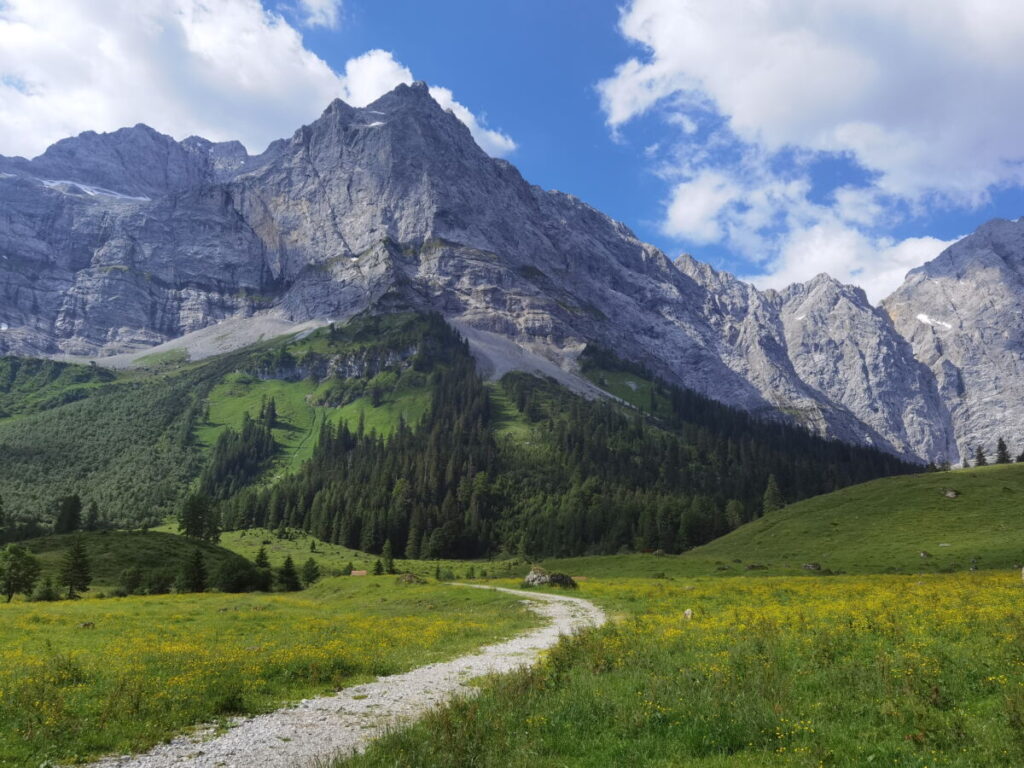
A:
(521, 466)
(593, 477)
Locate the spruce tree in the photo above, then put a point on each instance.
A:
(262, 561)
(75, 571)
(19, 571)
(388, 558)
(193, 573)
(310, 572)
(733, 514)
(979, 457)
(772, 500)
(347, 570)
(1002, 453)
(92, 517)
(69, 514)
(288, 577)
(378, 568)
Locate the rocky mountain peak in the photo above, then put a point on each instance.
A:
(394, 205)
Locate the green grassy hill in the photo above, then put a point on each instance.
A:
(878, 527)
(111, 552)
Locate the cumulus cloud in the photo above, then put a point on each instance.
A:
(876, 264)
(321, 13)
(224, 70)
(920, 96)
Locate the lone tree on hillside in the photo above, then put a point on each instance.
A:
(1002, 454)
(388, 558)
(19, 571)
(288, 577)
(772, 501)
(75, 572)
(310, 572)
(197, 518)
(69, 515)
(193, 573)
(979, 457)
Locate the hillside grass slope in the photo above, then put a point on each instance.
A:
(881, 526)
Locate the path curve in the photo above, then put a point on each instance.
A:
(316, 730)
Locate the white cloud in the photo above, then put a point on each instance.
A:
(696, 205)
(370, 75)
(321, 13)
(224, 70)
(920, 95)
(876, 264)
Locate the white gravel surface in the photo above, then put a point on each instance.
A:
(316, 730)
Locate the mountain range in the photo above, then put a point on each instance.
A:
(113, 245)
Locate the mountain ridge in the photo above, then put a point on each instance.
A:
(394, 206)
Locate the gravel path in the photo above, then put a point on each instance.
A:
(318, 729)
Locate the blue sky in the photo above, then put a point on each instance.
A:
(774, 139)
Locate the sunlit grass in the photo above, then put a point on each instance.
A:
(846, 671)
(85, 678)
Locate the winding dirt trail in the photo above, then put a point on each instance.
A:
(316, 730)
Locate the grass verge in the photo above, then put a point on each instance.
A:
(148, 667)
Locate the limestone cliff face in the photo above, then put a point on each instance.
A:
(115, 242)
(963, 313)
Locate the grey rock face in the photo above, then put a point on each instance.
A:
(115, 242)
(963, 313)
(820, 352)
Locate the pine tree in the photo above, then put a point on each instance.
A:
(288, 577)
(262, 561)
(310, 572)
(19, 571)
(1002, 453)
(733, 514)
(195, 518)
(75, 571)
(69, 515)
(387, 557)
(193, 573)
(92, 516)
(979, 457)
(378, 568)
(347, 570)
(772, 500)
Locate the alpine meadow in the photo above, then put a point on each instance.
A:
(333, 440)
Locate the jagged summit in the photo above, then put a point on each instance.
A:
(118, 242)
